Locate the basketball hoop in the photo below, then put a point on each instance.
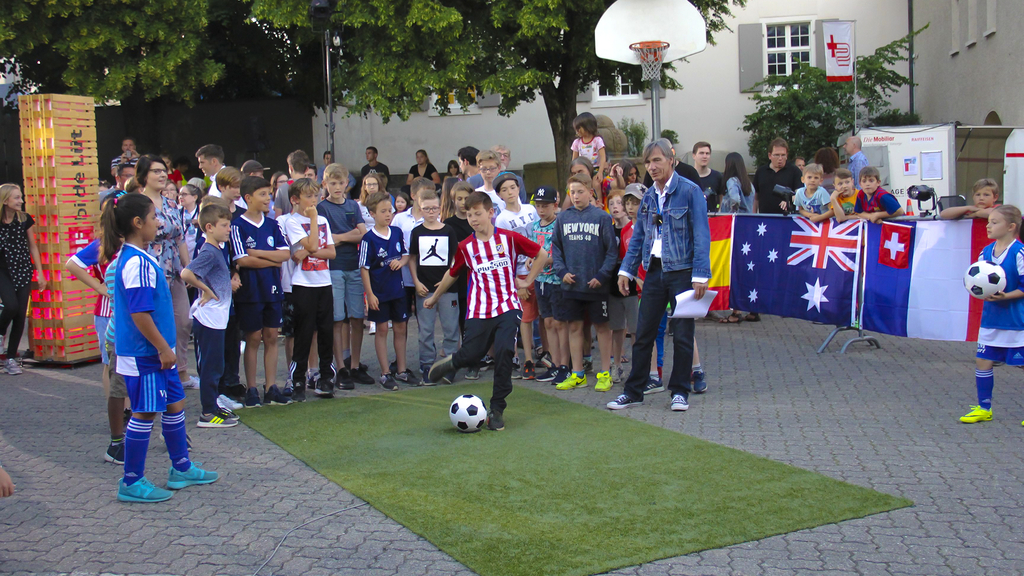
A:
(650, 55)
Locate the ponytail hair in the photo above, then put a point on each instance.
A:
(116, 221)
(1012, 215)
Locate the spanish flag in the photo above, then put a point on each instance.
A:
(721, 259)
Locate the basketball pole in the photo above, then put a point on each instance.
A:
(656, 110)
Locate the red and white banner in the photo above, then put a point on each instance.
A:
(839, 50)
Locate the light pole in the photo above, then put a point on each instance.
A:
(320, 12)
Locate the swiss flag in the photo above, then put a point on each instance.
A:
(894, 246)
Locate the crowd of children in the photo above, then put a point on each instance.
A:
(307, 262)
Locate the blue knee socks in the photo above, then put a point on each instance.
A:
(136, 445)
(177, 442)
(984, 380)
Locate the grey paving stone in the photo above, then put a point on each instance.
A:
(885, 419)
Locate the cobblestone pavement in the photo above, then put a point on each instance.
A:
(886, 419)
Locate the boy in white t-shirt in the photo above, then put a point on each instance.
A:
(312, 292)
(489, 165)
(517, 218)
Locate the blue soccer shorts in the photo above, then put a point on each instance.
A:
(1008, 356)
(154, 391)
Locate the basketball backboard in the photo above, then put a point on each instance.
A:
(627, 21)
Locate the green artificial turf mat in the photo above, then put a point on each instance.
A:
(564, 489)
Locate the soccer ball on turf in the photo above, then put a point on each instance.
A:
(984, 279)
(468, 413)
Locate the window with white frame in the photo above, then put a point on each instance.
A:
(627, 91)
(788, 46)
(454, 108)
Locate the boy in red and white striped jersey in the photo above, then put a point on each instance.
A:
(493, 308)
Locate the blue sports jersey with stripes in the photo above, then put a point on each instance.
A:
(140, 286)
(258, 284)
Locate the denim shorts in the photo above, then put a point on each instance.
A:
(101, 322)
(347, 286)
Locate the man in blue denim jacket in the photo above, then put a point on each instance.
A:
(672, 234)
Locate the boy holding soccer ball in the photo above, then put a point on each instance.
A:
(493, 309)
(1001, 337)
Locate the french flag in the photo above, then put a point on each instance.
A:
(913, 279)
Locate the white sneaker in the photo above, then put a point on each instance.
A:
(228, 404)
(192, 383)
(12, 367)
(373, 328)
(679, 403)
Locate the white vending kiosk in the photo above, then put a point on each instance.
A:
(912, 155)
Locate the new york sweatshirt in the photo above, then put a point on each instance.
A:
(584, 245)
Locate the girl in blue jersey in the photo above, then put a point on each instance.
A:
(1001, 337)
(144, 342)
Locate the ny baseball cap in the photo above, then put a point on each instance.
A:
(636, 190)
(545, 194)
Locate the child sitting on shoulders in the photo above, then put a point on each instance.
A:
(985, 195)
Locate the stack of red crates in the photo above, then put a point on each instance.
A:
(58, 151)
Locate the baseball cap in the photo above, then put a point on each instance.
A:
(545, 194)
(504, 177)
(251, 166)
(636, 190)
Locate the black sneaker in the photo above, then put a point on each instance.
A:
(441, 368)
(388, 382)
(361, 376)
(348, 364)
(473, 373)
(298, 392)
(216, 420)
(545, 361)
(274, 397)
(425, 375)
(487, 362)
(548, 376)
(252, 398)
(449, 378)
(324, 388)
(408, 377)
(393, 367)
(528, 371)
(495, 421)
(115, 453)
(624, 401)
(344, 380)
(653, 386)
(700, 385)
(517, 370)
(588, 365)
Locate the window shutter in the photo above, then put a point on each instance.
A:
(751, 56)
(819, 42)
(586, 96)
(489, 100)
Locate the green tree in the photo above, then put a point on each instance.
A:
(397, 53)
(133, 51)
(810, 112)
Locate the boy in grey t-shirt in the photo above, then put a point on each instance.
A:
(209, 273)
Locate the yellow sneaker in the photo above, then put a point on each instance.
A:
(573, 381)
(977, 414)
(604, 381)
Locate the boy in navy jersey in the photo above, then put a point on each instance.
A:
(259, 249)
(494, 311)
(309, 236)
(382, 254)
(208, 272)
(347, 230)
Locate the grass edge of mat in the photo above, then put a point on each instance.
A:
(408, 518)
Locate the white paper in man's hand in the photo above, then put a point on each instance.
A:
(689, 307)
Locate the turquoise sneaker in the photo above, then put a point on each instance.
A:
(142, 491)
(194, 475)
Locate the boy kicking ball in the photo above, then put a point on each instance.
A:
(493, 308)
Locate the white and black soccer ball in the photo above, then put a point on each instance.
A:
(984, 279)
(468, 413)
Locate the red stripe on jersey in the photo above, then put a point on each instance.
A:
(492, 290)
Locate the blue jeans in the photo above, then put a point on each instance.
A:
(660, 288)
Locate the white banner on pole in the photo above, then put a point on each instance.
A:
(839, 50)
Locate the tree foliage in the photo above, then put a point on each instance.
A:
(810, 112)
(108, 49)
(398, 53)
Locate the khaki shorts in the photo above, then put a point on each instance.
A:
(117, 387)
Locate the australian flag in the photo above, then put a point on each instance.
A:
(797, 268)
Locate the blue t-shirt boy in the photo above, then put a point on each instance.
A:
(342, 218)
